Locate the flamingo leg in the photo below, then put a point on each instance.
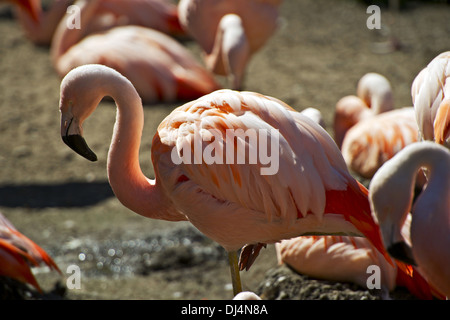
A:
(235, 276)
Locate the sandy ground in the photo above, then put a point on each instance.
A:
(64, 203)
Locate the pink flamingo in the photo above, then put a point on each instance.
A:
(431, 97)
(159, 67)
(374, 140)
(229, 31)
(336, 258)
(235, 205)
(391, 197)
(28, 7)
(18, 254)
(374, 96)
(160, 15)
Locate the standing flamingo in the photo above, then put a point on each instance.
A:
(236, 205)
(374, 96)
(229, 31)
(159, 67)
(431, 97)
(161, 15)
(18, 254)
(373, 141)
(391, 197)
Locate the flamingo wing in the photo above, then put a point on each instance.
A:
(431, 90)
(373, 141)
(18, 253)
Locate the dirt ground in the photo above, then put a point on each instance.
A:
(64, 203)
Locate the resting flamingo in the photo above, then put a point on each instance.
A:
(337, 258)
(28, 7)
(373, 141)
(161, 15)
(431, 98)
(374, 96)
(391, 197)
(244, 205)
(229, 32)
(159, 67)
(18, 254)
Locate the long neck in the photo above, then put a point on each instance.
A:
(130, 185)
(435, 161)
(68, 32)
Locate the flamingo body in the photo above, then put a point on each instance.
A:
(159, 67)
(374, 96)
(391, 197)
(160, 15)
(373, 141)
(309, 191)
(336, 258)
(431, 97)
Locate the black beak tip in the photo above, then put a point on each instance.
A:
(401, 251)
(79, 145)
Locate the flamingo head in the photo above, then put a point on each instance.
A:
(80, 95)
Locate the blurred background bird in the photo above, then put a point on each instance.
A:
(229, 32)
(159, 67)
(19, 254)
(160, 15)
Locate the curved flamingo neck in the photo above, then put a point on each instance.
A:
(65, 36)
(436, 166)
(435, 162)
(133, 189)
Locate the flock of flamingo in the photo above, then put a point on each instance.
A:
(322, 220)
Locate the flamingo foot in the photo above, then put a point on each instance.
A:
(249, 253)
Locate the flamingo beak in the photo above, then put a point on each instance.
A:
(401, 251)
(76, 141)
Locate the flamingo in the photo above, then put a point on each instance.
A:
(235, 205)
(229, 32)
(336, 258)
(431, 98)
(29, 8)
(160, 15)
(391, 197)
(159, 67)
(374, 96)
(374, 140)
(18, 254)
